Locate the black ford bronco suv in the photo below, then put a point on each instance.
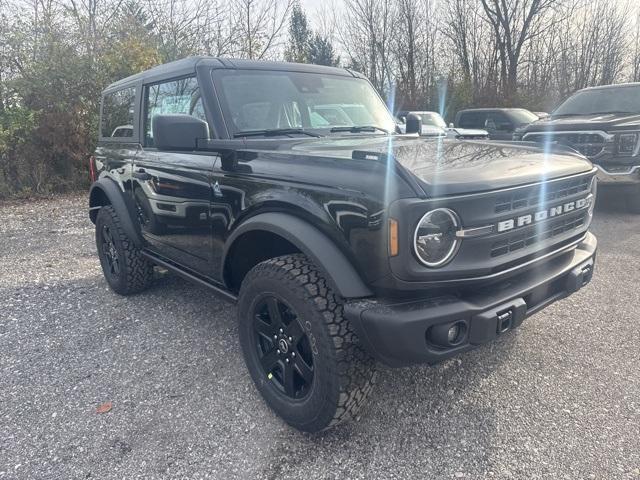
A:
(602, 123)
(286, 189)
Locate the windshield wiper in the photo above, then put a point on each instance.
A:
(358, 129)
(271, 132)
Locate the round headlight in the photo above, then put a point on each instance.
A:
(435, 240)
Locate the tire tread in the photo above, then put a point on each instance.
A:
(356, 373)
(139, 271)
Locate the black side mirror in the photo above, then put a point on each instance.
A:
(178, 132)
(414, 124)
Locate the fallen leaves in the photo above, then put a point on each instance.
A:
(104, 408)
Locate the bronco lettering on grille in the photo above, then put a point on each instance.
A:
(524, 220)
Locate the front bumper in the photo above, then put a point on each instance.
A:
(619, 175)
(400, 333)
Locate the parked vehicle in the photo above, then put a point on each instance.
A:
(342, 245)
(602, 123)
(541, 115)
(433, 125)
(501, 123)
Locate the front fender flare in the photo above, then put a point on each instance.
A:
(320, 249)
(109, 189)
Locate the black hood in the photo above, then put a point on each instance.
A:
(605, 122)
(450, 167)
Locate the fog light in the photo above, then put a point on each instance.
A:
(452, 334)
(448, 334)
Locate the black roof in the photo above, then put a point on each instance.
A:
(188, 66)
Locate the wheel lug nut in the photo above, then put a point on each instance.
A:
(281, 330)
(275, 337)
(278, 350)
(290, 339)
(293, 354)
(287, 360)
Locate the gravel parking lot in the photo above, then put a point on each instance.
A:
(558, 398)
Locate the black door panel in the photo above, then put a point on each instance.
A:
(173, 195)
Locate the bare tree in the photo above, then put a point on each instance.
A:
(179, 26)
(471, 41)
(365, 35)
(635, 54)
(260, 24)
(413, 49)
(514, 24)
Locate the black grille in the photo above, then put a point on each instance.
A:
(588, 144)
(533, 235)
(541, 194)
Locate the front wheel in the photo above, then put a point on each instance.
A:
(301, 352)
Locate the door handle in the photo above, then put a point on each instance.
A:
(141, 174)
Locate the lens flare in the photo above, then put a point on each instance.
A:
(391, 100)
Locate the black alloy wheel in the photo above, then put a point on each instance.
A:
(283, 347)
(301, 352)
(110, 252)
(126, 270)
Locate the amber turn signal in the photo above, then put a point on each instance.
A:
(393, 237)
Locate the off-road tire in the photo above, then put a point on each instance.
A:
(136, 272)
(633, 200)
(344, 374)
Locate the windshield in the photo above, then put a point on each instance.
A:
(603, 100)
(434, 119)
(255, 100)
(520, 115)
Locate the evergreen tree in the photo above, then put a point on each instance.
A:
(299, 36)
(321, 51)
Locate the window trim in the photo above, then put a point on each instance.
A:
(136, 111)
(144, 101)
(223, 107)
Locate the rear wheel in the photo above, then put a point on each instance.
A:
(301, 352)
(123, 265)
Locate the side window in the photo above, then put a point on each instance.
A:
(499, 121)
(472, 120)
(176, 96)
(117, 113)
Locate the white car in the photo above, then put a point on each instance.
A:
(433, 125)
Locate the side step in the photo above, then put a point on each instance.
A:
(218, 290)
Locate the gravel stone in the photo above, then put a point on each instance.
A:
(558, 398)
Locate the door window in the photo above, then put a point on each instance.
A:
(177, 96)
(118, 114)
(473, 120)
(498, 121)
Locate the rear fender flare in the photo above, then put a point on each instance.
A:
(105, 188)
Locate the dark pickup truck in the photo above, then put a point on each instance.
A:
(342, 242)
(602, 123)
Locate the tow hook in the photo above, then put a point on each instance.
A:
(505, 321)
(579, 277)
